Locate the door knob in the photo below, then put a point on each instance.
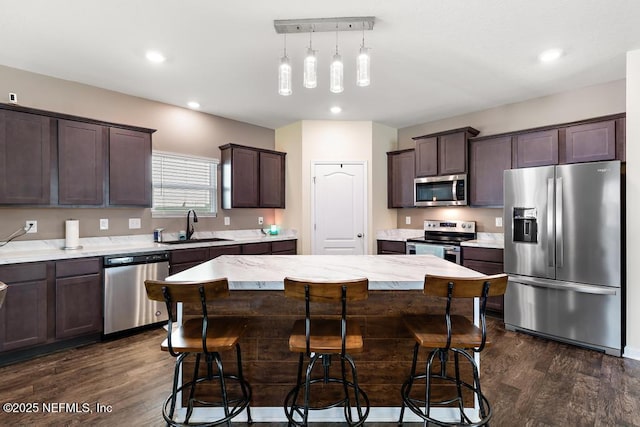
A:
(359, 234)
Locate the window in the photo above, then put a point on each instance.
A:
(183, 182)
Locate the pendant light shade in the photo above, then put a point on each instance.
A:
(310, 63)
(284, 77)
(310, 69)
(363, 67)
(336, 74)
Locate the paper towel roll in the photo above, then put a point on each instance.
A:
(72, 234)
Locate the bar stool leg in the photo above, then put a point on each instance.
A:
(406, 391)
(192, 392)
(223, 386)
(243, 386)
(176, 374)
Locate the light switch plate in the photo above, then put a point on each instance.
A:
(407, 220)
(260, 220)
(498, 221)
(134, 223)
(104, 223)
(227, 220)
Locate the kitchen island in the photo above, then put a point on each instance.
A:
(256, 283)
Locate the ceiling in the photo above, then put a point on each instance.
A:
(430, 58)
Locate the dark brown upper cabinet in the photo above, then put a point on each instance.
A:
(25, 158)
(81, 154)
(400, 175)
(129, 168)
(54, 159)
(537, 148)
(488, 159)
(443, 153)
(252, 177)
(589, 142)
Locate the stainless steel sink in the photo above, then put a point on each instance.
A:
(210, 239)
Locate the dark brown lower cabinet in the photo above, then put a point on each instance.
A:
(216, 251)
(263, 248)
(182, 259)
(486, 261)
(78, 297)
(23, 316)
(391, 247)
(284, 247)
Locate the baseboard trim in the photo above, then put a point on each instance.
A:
(631, 353)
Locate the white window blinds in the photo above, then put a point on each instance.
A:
(183, 182)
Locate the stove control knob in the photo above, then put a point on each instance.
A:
(464, 225)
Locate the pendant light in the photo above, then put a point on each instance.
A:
(336, 71)
(284, 73)
(363, 64)
(310, 77)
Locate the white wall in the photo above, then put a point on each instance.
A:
(323, 140)
(633, 205)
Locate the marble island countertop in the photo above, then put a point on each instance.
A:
(385, 272)
(47, 250)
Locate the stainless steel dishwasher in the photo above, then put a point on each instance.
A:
(126, 305)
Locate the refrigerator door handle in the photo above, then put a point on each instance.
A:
(549, 219)
(564, 286)
(559, 228)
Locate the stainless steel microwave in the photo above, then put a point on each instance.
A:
(450, 190)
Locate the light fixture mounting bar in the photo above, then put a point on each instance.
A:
(353, 23)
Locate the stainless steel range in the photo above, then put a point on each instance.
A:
(442, 238)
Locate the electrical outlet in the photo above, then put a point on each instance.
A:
(498, 221)
(407, 220)
(227, 220)
(134, 223)
(260, 220)
(104, 224)
(33, 224)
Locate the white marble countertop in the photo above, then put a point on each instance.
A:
(399, 234)
(385, 272)
(47, 250)
(486, 240)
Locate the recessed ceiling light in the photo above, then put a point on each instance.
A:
(336, 110)
(193, 104)
(155, 56)
(550, 55)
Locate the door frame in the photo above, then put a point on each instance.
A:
(365, 189)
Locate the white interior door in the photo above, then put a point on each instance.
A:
(339, 209)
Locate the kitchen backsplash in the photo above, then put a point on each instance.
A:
(485, 218)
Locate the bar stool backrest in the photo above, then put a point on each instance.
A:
(458, 287)
(326, 292)
(438, 286)
(190, 292)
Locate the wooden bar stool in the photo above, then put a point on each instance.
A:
(444, 333)
(320, 338)
(203, 336)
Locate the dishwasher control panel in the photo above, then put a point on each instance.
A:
(115, 260)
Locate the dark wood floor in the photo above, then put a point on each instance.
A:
(529, 381)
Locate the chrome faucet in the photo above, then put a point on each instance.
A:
(190, 229)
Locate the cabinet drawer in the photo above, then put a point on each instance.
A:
(391, 247)
(78, 267)
(23, 272)
(485, 267)
(216, 251)
(483, 254)
(256, 248)
(188, 255)
(283, 246)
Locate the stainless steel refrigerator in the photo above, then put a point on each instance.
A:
(564, 253)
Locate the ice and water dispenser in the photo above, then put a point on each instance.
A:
(525, 225)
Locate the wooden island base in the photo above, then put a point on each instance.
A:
(270, 367)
